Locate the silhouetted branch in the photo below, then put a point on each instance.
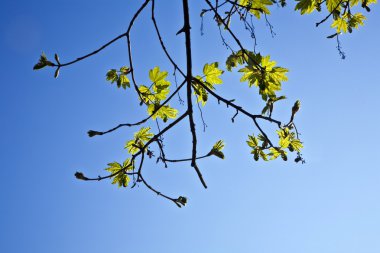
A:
(162, 43)
(331, 13)
(108, 43)
(92, 133)
(257, 65)
(185, 159)
(189, 75)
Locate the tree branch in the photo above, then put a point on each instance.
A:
(92, 133)
(162, 42)
(189, 74)
(108, 43)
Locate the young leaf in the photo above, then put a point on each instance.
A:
(112, 75)
(340, 25)
(256, 7)
(123, 81)
(140, 138)
(42, 62)
(252, 141)
(143, 134)
(120, 178)
(158, 79)
(296, 144)
(212, 73)
(305, 6)
(217, 149)
(274, 153)
(165, 112)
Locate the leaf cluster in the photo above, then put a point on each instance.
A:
(344, 20)
(140, 138)
(153, 96)
(210, 78)
(119, 77)
(217, 149)
(259, 71)
(119, 172)
(287, 142)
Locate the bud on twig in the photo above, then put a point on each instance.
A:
(80, 176)
(182, 200)
(57, 59)
(295, 109)
(56, 74)
(92, 133)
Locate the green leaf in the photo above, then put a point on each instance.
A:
(268, 77)
(347, 21)
(143, 134)
(256, 7)
(263, 155)
(356, 20)
(123, 81)
(161, 92)
(305, 6)
(125, 70)
(274, 153)
(120, 178)
(165, 112)
(265, 109)
(42, 62)
(217, 149)
(200, 92)
(296, 144)
(115, 165)
(133, 146)
(253, 142)
(275, 99)
(340, 24)
(212, 77)
(256, 154)
(146, 95)
(333, 5)
(112, 75)
(159, 88)
(284, 137)
(127, 165)
(212, 73)
(238, 58)
(158, 77)
(140, 138)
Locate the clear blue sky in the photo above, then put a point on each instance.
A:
(331, 204)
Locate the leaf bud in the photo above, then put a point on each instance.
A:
(182, 200)
(56, 73)
(57, 59)
(80, 176)
(296, 107)
(92, 133)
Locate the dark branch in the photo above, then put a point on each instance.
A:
(108, 43)
(162, 42)
(92, 133)
(189, 75)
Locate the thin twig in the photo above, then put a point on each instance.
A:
(93, 133)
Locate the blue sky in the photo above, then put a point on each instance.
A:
(330, 204)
